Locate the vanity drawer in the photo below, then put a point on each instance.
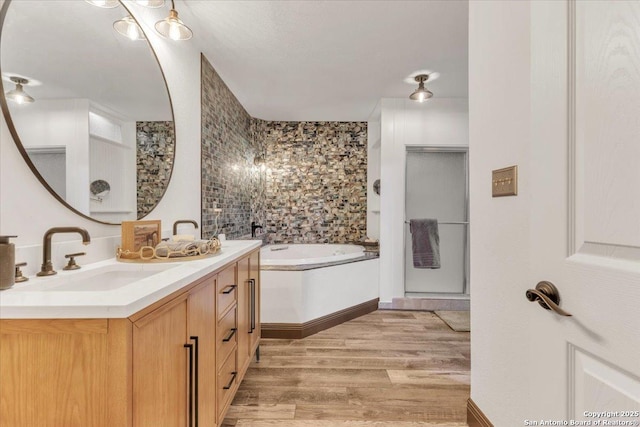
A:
(227, 383)
(227, 289)
(227, 335)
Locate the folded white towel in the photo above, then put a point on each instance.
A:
(182, 248)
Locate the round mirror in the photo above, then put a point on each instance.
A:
(87, 104)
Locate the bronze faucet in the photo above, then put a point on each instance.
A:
(183, 221)
(47, 265)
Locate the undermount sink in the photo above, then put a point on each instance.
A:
(105, 278)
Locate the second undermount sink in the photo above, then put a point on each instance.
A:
(104, 278)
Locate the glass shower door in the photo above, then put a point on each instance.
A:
(436, 187)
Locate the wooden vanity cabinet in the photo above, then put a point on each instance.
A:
(174, 359)
(227, 338)
(58, 372)
(248, 309)
(139, 371)
(160, 366)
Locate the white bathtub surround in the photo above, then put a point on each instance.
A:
(67, 298)
(297, 297)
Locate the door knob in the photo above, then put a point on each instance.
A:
(547, 296)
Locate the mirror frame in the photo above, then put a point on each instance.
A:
(17, 141)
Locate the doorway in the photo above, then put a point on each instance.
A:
(436, 186)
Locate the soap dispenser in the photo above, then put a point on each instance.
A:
(7, 262)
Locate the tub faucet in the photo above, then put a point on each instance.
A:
(183, 221)
(47, 265)
(254, 227)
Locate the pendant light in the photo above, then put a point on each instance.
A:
(151, 3)
(18, 94)
(421, 94)
(172, 27)
(129, 28)
(107, 4)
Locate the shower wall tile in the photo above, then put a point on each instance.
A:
(312, 190)
(230, 181)
(316, 181)
(155, 147)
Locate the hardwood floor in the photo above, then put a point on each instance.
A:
(387, 368)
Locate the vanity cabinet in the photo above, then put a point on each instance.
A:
(179, 360)
(174, 352)
(227, 331)
(160, 366)
(248, 309)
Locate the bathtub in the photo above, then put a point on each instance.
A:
(303, 283)
(305, 254)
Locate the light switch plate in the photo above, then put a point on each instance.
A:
(504, 182)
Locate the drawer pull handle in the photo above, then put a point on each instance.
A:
(252, 303)
(233, 378)
(227, 339)
(229, 289)
(189, 347)
(196, 376)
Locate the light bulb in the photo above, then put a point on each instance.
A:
(174, 31)
(150, 3)
(107, 4)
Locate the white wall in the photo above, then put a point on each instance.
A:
(437, 122)
(28, 210)
(499, 130)
(373, 173)
(62, 123)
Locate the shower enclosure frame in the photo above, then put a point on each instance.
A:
(466, 254)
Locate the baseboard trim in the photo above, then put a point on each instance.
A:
(302, 330)
(475, 417)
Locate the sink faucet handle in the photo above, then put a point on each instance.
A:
(72, 265)
(18, 276)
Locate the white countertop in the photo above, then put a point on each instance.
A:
(33, 300)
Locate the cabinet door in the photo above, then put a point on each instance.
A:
(54, 372)
(160, 366)
(244, 313)
(254, 275)
(202, 324)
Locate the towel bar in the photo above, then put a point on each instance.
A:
(446, 222)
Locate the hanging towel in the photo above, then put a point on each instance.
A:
(425, 243)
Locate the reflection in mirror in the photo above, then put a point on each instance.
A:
(101, 110)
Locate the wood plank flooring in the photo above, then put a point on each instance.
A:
(384, 369)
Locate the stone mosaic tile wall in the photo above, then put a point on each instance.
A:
(230, 180)
(155, 147)
(316, 182)
(312, 188)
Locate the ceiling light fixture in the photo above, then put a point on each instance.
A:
(18, 94)
(107, 4)
(421, 94)
(150, 3)
(172, 27)
(129, 28)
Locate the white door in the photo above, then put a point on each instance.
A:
(585, 184)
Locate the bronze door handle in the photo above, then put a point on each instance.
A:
(547, 296)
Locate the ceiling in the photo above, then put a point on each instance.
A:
(330, 60)
(284, 60)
